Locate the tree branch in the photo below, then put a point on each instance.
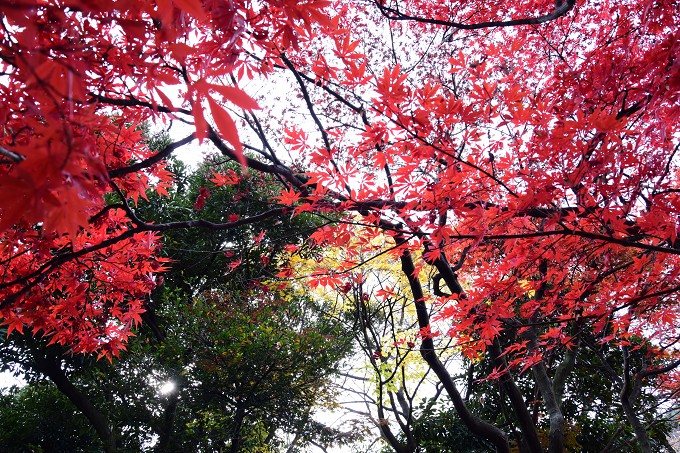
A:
(478, 426)
(559, 11)
(162, 154)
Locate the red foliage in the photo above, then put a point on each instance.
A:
(79, 77)
(542, 158)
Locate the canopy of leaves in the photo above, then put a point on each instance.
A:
(534, 161)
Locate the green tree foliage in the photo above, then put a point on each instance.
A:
(597, 422)
(38, 418)
(201, 253)
(257, 368)
(441, 430)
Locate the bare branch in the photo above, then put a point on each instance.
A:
(559, 11)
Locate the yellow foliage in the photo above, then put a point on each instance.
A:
(367, 272)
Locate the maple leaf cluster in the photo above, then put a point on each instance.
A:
(86, 292)
(78, 80)
(551, 178)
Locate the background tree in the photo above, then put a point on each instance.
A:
(40, 418)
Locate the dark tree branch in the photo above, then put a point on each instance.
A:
(478, 426)
(132, 102)
(297, 180)
(659, 370)
(159, 156)
(308, 102)
(519, 406)
(13, 158)
(626, 402)
(559, 11)
(50, 368)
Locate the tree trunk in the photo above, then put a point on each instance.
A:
(236, 438)
(545, 387)
(168, 421)
(517, 402)
(628, 405)
(475, 424)
(51, 369)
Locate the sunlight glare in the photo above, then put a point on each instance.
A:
(167, 388)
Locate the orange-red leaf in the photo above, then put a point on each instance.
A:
(199, 122)
(227, 178)
(227, 129)
(236, 96)
(288, 197)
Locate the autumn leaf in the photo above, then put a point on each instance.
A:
(258, 239)
(192, 7)
(236, 96)
(227, 129)
(288, 197)
(165, 99)
(199, 122)
(233, 265)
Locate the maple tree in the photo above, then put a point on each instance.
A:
(391, 387)
(375, 304)
(525, 151)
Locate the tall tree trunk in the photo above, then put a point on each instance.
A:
(551, 390)
(236, 438)
(627, 402)
(545, 387)
(168, 421)
(475, 424)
